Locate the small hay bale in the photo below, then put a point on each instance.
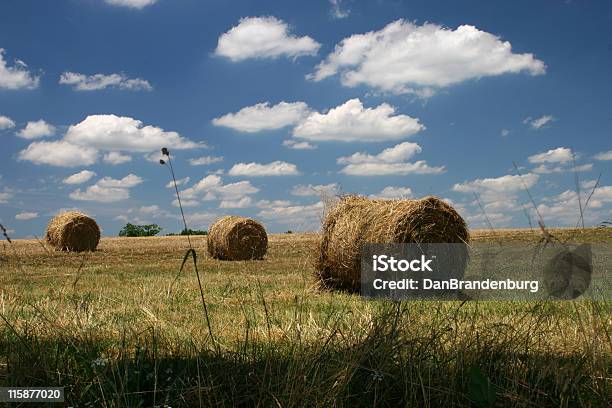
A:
(355, 221)
(235, 238)
(73, 231)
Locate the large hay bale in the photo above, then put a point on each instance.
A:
(73, 231)
(355, 221)
(235, 238)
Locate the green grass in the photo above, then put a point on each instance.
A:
(104, 326)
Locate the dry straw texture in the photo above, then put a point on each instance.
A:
(73, 231)
(237, 239)
(355, 221)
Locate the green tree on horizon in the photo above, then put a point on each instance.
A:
(148, 230)
(188, 231)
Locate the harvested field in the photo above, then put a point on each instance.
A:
(102, 325)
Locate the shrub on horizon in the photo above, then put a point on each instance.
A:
(131, 230)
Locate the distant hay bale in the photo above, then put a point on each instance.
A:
(73, 231)
(355, 221)
(235, 238)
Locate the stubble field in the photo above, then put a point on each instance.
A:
(109, 327)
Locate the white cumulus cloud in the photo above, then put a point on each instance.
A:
(302, 190)
(295, 145)
(81, 82)
(263, 37)
(391, 161)
(563, 209)
(129, 181)
(205, 160)
(6, 122)
(101, 194)
(233, 190)
(273, 203)
(545, 169)
(23, 216)
(391, 192)
(111, 132)
(115, 158)
(497, 219)
(262, 116)
(404, 57)
(154, 157)
(558, 155)
(16, 76)
(136, 4)
(389, 169)
(498, 196)
(276, 168)
(337, 10)
(108, 190)
(301, 217)
(5, 196)
(352, 122)
(604, 155)
(244, 202)
(200, 220)
(80, 177)
(36, 129)
(398, 153)
(83, 142)
(588, 184)
(186, 203)
(59, 153)
(539, 123)
(212, 188)
(179, 182)
(500, 186)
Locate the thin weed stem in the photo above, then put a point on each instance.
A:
(535, 207)
(577, 181)
(191, 252)
(586, 204)
(178, 197)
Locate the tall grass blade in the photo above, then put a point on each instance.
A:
(577, 181)
(191, 252)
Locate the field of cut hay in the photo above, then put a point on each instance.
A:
(104, 325)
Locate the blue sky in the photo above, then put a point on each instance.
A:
(266, 106)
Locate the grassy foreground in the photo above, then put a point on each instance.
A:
(104, 326)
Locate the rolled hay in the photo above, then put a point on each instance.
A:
(355, 221)
(235, 238)
(73, 231)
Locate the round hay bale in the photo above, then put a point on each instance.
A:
(73, 231)
(235, 238)
(355, 221)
